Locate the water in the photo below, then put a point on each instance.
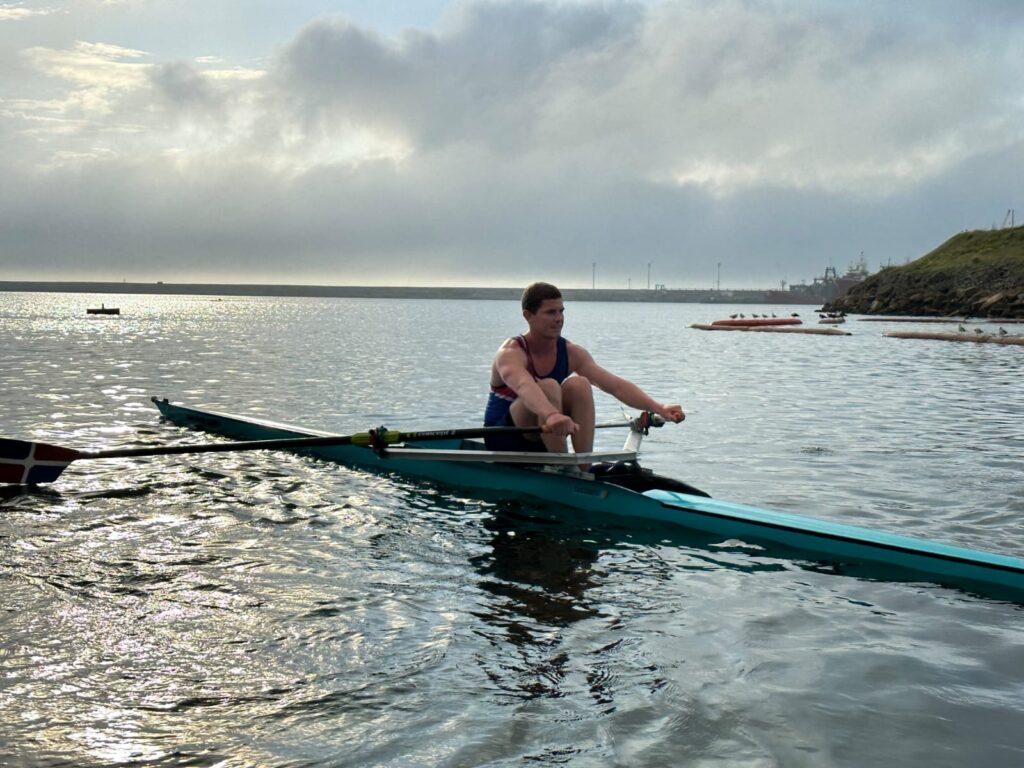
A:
(272, 610)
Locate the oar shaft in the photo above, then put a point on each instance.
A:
(386, 437)
(23, 462)
(225, 447)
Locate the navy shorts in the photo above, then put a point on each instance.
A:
(512, 441)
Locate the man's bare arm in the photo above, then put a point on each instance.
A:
(511, 365)
(623, 390)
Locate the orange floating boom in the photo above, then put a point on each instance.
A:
(753, 322)
(771, 329)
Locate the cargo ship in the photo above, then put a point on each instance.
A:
(825, 288)
(855, 275)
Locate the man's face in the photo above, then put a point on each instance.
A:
(548, 319)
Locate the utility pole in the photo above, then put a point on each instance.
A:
(593, 275)
(718, 280)
(648, 275)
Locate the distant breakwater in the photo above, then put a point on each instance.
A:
(680, 295)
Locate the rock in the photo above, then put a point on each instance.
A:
(980, 273)
(995, 298)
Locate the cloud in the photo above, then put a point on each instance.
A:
(518, 137)
(95, 73)
(17, 12)
(725, 97)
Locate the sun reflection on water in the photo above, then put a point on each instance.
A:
(270, 609)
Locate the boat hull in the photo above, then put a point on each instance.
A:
(655, 499)
(491, 479)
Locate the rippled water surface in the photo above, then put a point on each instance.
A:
(273, 610)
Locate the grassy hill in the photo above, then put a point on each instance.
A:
(979, 273)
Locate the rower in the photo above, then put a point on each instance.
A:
(541, 378)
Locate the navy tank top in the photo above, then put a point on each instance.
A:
(501, 397)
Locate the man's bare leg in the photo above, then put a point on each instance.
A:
(578, 404)
(524, 417)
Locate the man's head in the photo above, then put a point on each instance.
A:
(543, 310)
(536, 294)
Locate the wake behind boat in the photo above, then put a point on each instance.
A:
(618, 486)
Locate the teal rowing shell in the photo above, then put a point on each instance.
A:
(990, 573)
(858, 551)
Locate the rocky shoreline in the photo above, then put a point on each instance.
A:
(974, 274)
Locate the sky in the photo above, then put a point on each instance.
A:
(684, 143)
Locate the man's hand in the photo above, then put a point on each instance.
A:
(560, 424)
(672, 413)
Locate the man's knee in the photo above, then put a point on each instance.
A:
(551, 388)
(576, 387)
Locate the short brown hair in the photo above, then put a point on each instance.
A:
(536, 294)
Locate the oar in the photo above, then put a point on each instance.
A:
(27, 463)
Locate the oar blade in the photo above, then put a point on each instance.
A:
(26, 463)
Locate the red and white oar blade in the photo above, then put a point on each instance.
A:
(25, 463)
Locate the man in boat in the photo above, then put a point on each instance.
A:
(541, 378)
